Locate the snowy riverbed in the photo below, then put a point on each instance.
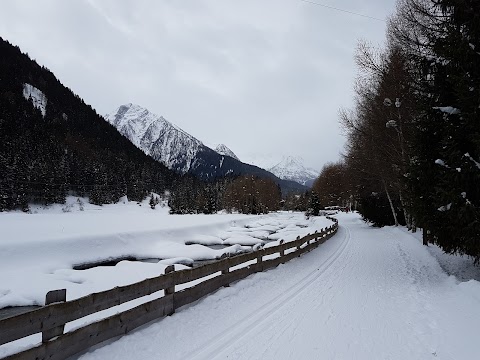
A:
(38, 251)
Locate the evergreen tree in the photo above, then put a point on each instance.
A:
(446, 172)
(314, 206)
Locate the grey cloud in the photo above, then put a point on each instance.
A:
(260, 76)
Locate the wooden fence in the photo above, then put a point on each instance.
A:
(51, 319)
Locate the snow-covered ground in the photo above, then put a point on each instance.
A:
(461, 266)
(366, 293)
(38, 251)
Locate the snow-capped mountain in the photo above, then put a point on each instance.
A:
(156, 136)
(224, 150)
(292, 168)
(285, 167)
(180, 151)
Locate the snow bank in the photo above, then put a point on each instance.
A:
(38, 251)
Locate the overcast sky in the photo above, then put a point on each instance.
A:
(260, 76)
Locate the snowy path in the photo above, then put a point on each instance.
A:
(365, 294)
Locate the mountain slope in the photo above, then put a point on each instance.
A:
(157, 137)
(180, 151)
(284, 167)
(224, 150)
(51, 143)
(292, 168)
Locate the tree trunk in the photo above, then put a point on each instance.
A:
(391, 203)
(425, 236)
(406, 215)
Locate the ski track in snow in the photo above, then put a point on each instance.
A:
(256, 321)
(364, 294)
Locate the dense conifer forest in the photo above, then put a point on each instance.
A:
(71, 148)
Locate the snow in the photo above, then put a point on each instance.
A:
(461, 266)
(366, 293)
(477, 164)
(445, 207)
(42, 249)
(286, 167)
(447, 109)
(224, 150)
(391, 124)
(38, 251)
(38, 98)
(242, 239)
(292, 168)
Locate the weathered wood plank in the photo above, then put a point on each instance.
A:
(272, 250)
(289, 257)
(51, 316)
(243, 258)
(260, 254)
(196, 292)
(93, 334)
(268, 264)
(54, 296)
(171, 289)
(187, 275)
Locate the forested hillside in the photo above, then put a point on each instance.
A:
(67, 146)
(53, 144)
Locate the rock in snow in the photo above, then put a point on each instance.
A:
(38, 98)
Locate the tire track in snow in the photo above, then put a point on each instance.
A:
(211, 349)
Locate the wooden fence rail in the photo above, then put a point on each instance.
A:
(51, 319)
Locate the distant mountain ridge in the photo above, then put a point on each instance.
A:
(182, 152)
(292, 168)
(284, 167)
(224, 150)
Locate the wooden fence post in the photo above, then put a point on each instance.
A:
(260, 260)
(282, 249)
(298, 246)
(170, 290)
(54, 296)
(226, 270)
